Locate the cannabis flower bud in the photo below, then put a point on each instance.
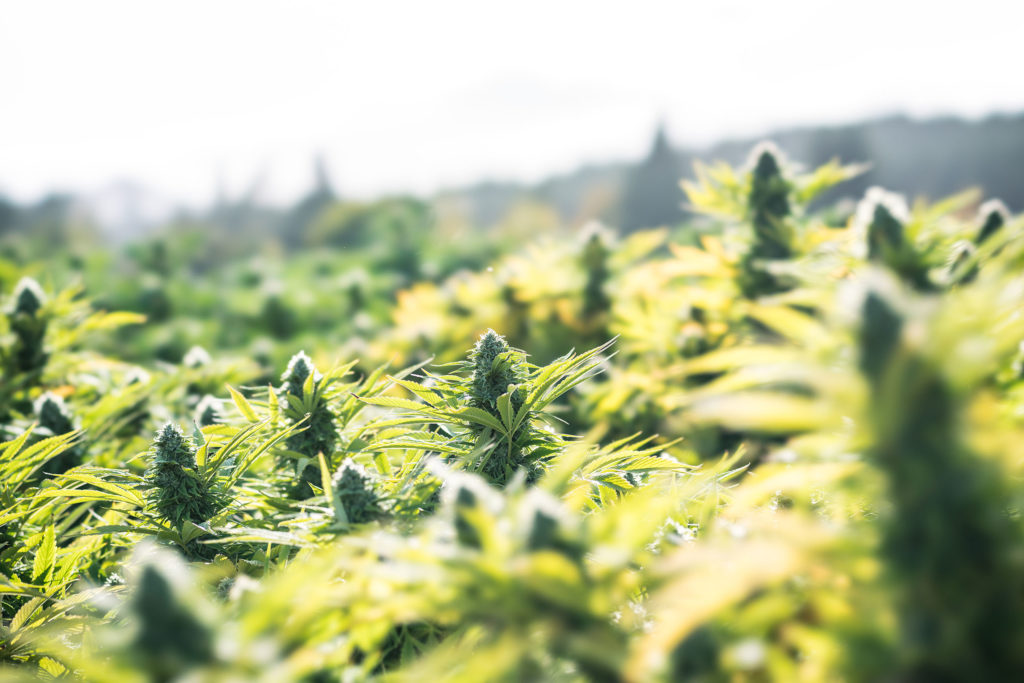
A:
(318, 433)
(992, 215)
(170, 638)
(768, 208)
(28, 326)
(208, 411)
(544, 522)
(879, 219)
(466, 497)
(28, 297)
(196, 357)
(54, 417)
(53, 414)
(355, 496)
(177, 490)
(594, 260)
(299, 368)
(769, 200)
(495, 368)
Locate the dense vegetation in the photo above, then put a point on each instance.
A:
(776, 443)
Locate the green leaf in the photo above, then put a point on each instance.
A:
(325, 475)
(46, 555)
(430, 397)
(12, 447)
(480, 417)
(23, 614)
(124, 494)
(191, 531)
(242, 404)
(393, 402)
(505, 410)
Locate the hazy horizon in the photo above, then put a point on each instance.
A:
(196, 99)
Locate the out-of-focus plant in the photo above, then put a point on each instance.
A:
(55, 420)
(28, 322)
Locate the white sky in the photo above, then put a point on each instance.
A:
(430, 93)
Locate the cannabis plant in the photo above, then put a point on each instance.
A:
(952, 544)
(992, 216)
(183, 494)
(176, 488)
(769, 212)
(55, 419)
(305, 405)
(354, 494)
(208, 411)
(489, 417)
(28, 323)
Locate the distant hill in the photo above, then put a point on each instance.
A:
(931, 158)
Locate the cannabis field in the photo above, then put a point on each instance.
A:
(783, 441)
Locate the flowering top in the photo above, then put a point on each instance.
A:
(196, 357)
(172, 446)
(768, 210)
(495, 366)
(879, 220)
(28, 297)
(354, 492)
(208, 411)
(769, 194)
(300, 367)
(53, 414)
(992, 215)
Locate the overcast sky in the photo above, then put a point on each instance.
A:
(182, 95)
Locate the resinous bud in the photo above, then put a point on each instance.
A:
(992, 216)
(53, 414)
(300, 367)
(28, 297)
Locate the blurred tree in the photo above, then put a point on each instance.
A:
(652, 197)
(298, 220)
(8, 215)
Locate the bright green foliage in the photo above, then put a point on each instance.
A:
(489, 417)
(177, 490)
(835, 496)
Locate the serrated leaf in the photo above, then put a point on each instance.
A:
(23, 614)
(46, 555)
(505, 410)
(325, 475)
(480, 417)
(243, 404)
